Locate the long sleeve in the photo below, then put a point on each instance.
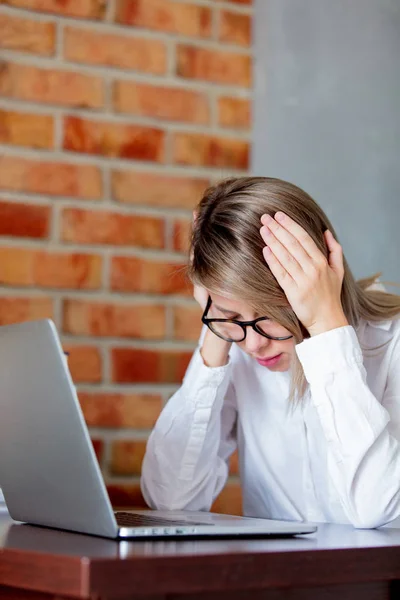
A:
(186, 460)
(362, 434)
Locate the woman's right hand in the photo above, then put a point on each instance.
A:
(201, 296)
(214, 351)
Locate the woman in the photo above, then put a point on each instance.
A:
(298, 367)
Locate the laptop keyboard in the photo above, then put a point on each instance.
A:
(127, 519)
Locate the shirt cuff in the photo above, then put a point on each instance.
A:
(329, 352)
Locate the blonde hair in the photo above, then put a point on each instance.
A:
(226, 250)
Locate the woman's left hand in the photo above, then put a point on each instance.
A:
(312, 283)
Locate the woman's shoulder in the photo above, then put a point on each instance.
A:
(391, 325)
(386, 331)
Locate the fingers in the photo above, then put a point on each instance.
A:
(278, 271)
(283, 223)
(200, 295)
(335, 252)
(293, 249)
(281, 254)
(193, 226)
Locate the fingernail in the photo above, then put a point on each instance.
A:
(266, 219)
(265, 231)
(280, 216)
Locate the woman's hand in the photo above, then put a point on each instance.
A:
(201, 296)
(214, 351)
(312, 283)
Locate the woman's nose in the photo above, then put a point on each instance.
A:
(254, 340)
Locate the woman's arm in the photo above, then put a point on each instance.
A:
(362, 435)
(187, 455)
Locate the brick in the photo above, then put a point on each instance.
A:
(82, 317)
(187, 323)
(213, 65)
(134, 274)
(27, 35)
(137, 365)
(51, 86)
(229, 500)
(124, 496)
(78, 271)
(84, 363)
(114, 139)
(24, 220)
(98, 48)
(106, 227)
(38, 177)
(55, 179)
(181, 235)
(234, 112)
(166, 15)
(90, 9)
(26, 129)
(16, 266)
(127, 457)
(210, 150)
(17, 309)
(138, 411)
(20, 266)
(161, 102)
(151, 189)
(235, 28)
(98, 446)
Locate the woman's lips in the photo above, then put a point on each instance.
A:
(269, 362)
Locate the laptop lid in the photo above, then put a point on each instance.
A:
(48, 469)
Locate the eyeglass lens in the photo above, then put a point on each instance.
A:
(233, 331)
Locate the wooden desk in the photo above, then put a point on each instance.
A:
(337, 562)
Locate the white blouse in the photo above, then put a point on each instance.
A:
(333, 458)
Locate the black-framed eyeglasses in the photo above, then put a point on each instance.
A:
(232, 330)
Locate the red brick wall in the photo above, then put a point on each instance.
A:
(114, 116)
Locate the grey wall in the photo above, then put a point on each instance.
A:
(327, 116)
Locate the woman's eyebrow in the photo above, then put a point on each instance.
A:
(231, 313)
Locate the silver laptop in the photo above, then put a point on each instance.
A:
(48, 469)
